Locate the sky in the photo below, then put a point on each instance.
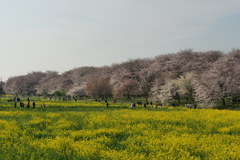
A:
(60, 35)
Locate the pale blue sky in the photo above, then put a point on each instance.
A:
(41, 35)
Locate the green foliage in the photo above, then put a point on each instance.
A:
(59, 93)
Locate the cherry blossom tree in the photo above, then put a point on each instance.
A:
(168, 91)
(147, 78)
(99, 86)
(222, 80)
(128, 88)
(186, 85)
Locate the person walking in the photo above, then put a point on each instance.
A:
(34, 104)
(107, 105)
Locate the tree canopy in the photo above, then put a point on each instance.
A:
(200, 76)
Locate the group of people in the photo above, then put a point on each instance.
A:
(189, 105)
(22, 104)
(133, 104)
(64, 98)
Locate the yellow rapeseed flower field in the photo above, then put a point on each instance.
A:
(88, 130)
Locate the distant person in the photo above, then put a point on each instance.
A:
(22, 104)
(15, 99)
(34, 104)
(145, 105)
(28, 104)
(195, 106)
(131, 105)
(15, 104)
(134, 104)
(161, 105)
(107, 105)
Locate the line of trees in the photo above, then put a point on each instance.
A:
(195, 76)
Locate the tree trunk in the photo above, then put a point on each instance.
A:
(223, 102)
(179, 100)
(146, 99)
